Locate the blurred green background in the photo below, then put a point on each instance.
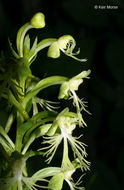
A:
(100, 35)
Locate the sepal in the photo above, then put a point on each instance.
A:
(53, 50)
(56, 182)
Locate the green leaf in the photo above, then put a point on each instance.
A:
(19, 106)
(24, 71)
(20, 133)
(26, 46)
(13, 51)
(32, 52)
(3, 133)
(34, 45)
(5, 145)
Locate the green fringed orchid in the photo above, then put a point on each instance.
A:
(31, 116)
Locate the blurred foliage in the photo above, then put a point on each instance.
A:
(100, 35)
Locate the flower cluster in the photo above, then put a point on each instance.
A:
(34, 117)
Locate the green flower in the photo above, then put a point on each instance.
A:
(20, 88)
(62, 128)
(56, 182)
(64, 118)
(72, 84)
(66, 44)
(67, 170)
(67, 91)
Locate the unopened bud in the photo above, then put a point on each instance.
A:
(38, 20)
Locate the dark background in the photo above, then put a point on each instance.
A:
(100, 36)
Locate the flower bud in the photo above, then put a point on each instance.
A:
(38, 20)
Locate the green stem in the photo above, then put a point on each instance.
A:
(19, 107)
(46, 172)
(20, 185)
(42, 115)
(29, 142)
(19, 134)
(14, 187)
(41, 45)
(20, 37)
(35, 108)
(44, 43)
